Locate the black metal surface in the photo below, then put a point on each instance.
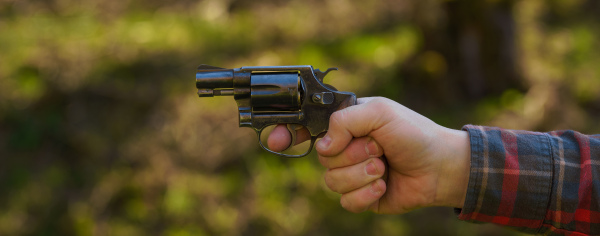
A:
(271, 95)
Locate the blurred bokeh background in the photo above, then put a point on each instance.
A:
(102, 133)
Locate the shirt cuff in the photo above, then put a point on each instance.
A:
(510, 179)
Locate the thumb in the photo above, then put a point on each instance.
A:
(354, 121)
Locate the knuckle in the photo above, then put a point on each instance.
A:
(379, 105)
(347, 204)
(382, 105)
(344, 202)
(377, 99)
(385, 110)
(324, 161)
(337, 117)
(380, 101)
(330, 182)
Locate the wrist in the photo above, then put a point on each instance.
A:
(454, 169)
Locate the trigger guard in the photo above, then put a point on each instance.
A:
(292, 128)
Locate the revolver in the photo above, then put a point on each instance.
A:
(294, 97)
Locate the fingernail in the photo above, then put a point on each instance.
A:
(376, 190)
(371, 168)
(324, 142)
(371, 148)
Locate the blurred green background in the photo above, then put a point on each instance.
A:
(102, 133)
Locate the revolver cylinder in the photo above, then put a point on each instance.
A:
(275, 91)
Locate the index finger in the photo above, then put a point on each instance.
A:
(280, 138)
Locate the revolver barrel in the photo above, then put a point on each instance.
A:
(214, 81)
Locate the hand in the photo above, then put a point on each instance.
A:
(427, 164)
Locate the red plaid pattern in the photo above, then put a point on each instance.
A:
(539, 183)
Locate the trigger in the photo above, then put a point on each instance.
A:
(292, 128)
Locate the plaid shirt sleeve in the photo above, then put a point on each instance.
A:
(539, 183)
